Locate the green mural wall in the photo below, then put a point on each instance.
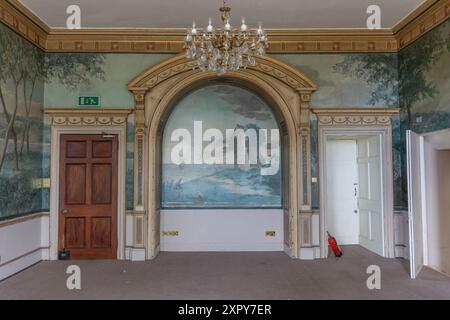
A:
(424, 74)
(345, 80)
(22, 75)
(352, 81)
(416, 80)
(425, 82)
(104, 75)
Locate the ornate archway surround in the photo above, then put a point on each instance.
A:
(284, 87)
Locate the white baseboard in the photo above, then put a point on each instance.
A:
(9, 268)
(288, 250)
(400, 251)
(135, 254)
(310, 253)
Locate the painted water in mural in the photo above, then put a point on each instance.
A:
(218, 185)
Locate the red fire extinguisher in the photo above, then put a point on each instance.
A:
(334, 246)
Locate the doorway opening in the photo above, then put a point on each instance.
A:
(428, 189)
(354, 191)
(88, 196)
(355, 168)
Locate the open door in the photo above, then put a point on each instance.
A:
(416, 250)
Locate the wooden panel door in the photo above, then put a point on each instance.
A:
(88, 196)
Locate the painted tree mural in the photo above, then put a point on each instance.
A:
(415, 62)
(74, 69)
(414, 85)
(23, 71)
(13, 74)
(377, 70)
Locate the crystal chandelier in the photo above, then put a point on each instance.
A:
(227, 48)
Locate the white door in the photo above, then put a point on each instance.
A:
(416, 250)
(370, 196)
(342, 178)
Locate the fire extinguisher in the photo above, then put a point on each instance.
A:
(334, 246)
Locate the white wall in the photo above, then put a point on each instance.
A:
(222, 230)
(23, 244)
(437, 181)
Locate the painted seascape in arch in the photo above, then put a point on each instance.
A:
(192, 184)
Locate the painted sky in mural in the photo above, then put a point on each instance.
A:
(218, 185)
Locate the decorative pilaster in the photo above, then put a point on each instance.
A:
(305, 140)
(139, 204)
(304, 136)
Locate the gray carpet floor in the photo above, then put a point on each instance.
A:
(228, 276)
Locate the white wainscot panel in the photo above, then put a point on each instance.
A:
(23, 244)
(222, 230)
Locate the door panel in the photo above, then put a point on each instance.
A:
(88, 196)
(370, 194)
(101, 183)
(101, 232)
(416, 250)
(75, 192)
(102, 149)
(75, 233)
(76, 149)
(342, 179)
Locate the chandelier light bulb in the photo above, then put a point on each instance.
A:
(243, 26)
(194, 29)
(210, 27)
(260, 30)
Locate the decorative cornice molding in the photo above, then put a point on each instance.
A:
(430, 15)
(97, 117)
(171, 40)
(426, 17)
(355, 117)
(17, 17)
(416, 13)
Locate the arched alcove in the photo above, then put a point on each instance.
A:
(288, 92)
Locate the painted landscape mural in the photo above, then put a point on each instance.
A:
(424, 69)
(21, 93)
(218, 185)
(352, 81)
(344, 80)
(425, 97)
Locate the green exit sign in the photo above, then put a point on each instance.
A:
(89, 101)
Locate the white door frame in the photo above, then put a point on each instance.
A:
(385, 134)
(70, 125)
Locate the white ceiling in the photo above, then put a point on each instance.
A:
(180, 13)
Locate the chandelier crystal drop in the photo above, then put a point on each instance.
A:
(226, 48)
